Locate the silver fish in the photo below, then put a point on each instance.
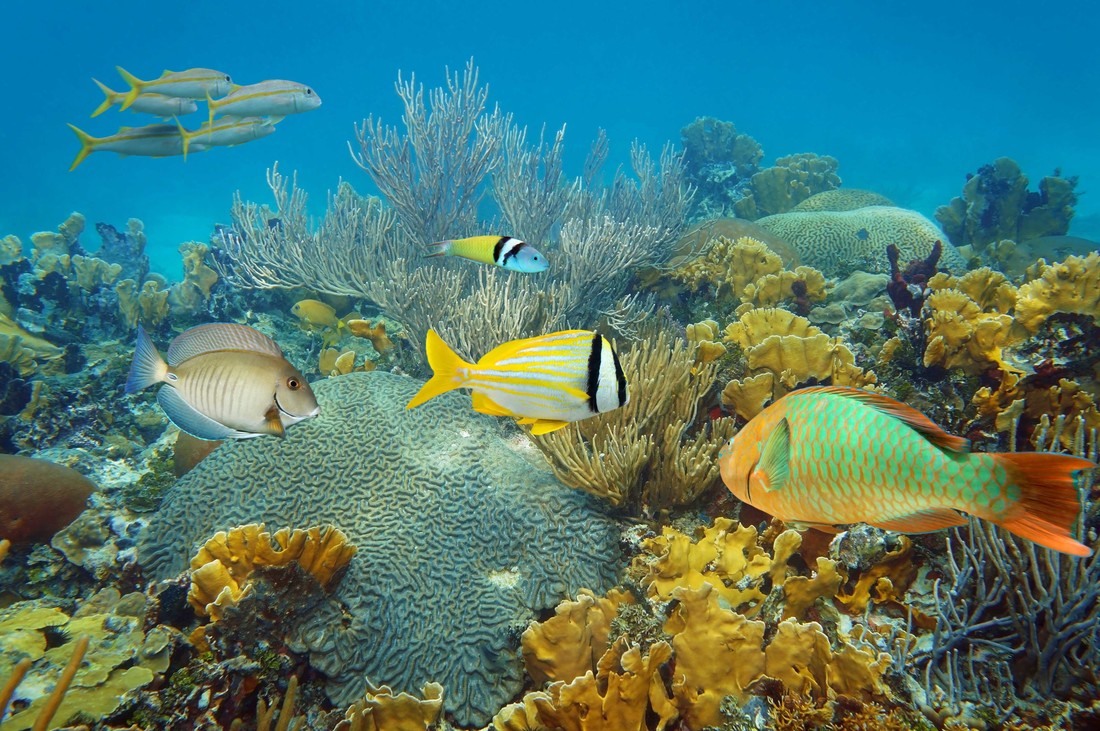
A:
(160, 105)
(152, 140)
(190, 84)
(276, 98)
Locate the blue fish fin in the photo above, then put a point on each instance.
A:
(147, 367)
(545, 426)
(775, 457)
(184, 415)
(922, 521)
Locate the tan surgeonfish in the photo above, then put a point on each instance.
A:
(224, 381)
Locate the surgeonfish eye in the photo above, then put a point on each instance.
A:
(293, 383)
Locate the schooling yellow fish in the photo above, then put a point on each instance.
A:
(503, 251)
(830, 456)
(225, 132)
(189, 84)
(160, 105)
(546, 381)
(224, 381)
(275, 98)
(152, 140)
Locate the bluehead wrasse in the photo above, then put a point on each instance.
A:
(503, 251)
(190, 84)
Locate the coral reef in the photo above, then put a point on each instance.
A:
(842, 199)
(38, 497)
(719, 161)
(791, 181)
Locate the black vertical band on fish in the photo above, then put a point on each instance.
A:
(592, 387)
(512, 249)
(620, 378)
(498, 248)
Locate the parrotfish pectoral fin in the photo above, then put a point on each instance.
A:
(1049, 503)
(87, 146)
(922, 521)
(485, 405)
(545, 426)
(187, 418)
(273, 423)
(135, 87)
(444, 363)
(775, 457)
(147, 367)
(807, 525)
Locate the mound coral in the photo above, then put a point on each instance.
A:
(38, 497)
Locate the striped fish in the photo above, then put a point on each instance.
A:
(189, 84)
(827, 456)
(504, 251)
(274, 98)
(160, 105)
(223, 381)
(152, 140)
(225, 132)
(546, 381)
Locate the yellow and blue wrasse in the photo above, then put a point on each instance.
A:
(546, 381)
(160, 105)
(504, 251)
(226, 132)
(273, 98)
(189, 84)
(223, 381)
(152, 140)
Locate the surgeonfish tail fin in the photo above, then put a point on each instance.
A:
(87, 146)
(439, 248)
(184, 135)
(1049, 503)
(148, 367)
(110, 94)
(135, 87)
(445, 364)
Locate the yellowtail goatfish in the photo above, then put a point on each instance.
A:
(546, 381)
(275, 98)
(504, 251)
(152, 140)
(189, 84)
(224, 381)
(160, 105)
(226, 132)
(828, 456)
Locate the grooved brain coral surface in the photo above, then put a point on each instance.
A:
(461, 539)
(838, 242)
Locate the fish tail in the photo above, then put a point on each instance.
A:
(439, 248)
(87, 146)
(210, 108)
(1049, 504)
(110, 94)
(136, 85)
(184, 135)
(445, 364)
(148, 367)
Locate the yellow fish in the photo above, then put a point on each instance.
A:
(546, 381)
(503, 251)
(152, 140)
(224, 381)
(226, 132)
(160, 105)
(189, 84)
(275, 97)
(315, 314)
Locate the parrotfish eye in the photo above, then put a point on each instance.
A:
(293, 383)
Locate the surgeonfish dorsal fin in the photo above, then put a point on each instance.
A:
(903, 412)
(775, 457)
(192, 421)
(220, 336)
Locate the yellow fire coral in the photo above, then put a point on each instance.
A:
(570, 643)
(1070, 286)
(962, 335)
(730, 265)
(381, 709)
(148, 306)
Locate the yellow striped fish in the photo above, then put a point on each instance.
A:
(189, 84)
(274, 97)
(546, 381)
(160, 105)
(504, 251)
(152, 140)
(224, 381)
(225, 132)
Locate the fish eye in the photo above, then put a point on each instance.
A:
(293, 383)
(227, 78)
(308, 91)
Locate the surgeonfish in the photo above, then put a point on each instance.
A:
(504, 251)
(226, 132)
(224, 381)
(159, 105)
(189, 84)
(827, 456)
(152, 140)
(275, 98)
(546, 381)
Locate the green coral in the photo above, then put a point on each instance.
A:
(789, 182)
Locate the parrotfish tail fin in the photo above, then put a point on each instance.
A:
(110, 93)
(445, 364)
(1049, 503)
(439, 248)
(184, 135)
(87, 146)
(148, 367)
(135, 87)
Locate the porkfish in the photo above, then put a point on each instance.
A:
(828, 456)
(546, 381)
(273, 98)
(503, 251)
(189, 84)
(160, 105)
(224, 381)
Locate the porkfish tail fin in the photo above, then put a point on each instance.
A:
(109, 93)
(445, 364)
(136, 85)
(1049, 503)
(87, 146)
(148, 367)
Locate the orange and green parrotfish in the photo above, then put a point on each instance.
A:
(189, 84)
(504, 251)
(829, 456)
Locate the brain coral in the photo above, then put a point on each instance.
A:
(836, 242)
(842, 199)
(461, 539)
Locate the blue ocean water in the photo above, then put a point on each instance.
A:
(909, 97)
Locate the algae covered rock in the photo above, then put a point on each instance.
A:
(461, 539)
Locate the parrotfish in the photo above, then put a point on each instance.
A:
(504, 251)
(275, 98)
(226, 132)
(546, 381)
(830, 456)
(152, 140)
(189, 84)
(224, 381)
(160, 105)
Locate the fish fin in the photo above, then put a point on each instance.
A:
(922, 521)
(274, 423)
(87, 146)
(1049, 504)
(439, 248)
(147, 367)
(273, 119)
(903, 412)
(444, 363)
(485, 405)
(775, 457)
(545, 426)
(511, 348)
(106, 102)
(220, 336)
(190, 420)
(807, 525)
(135, 87)
(210, 108)
(184, 135)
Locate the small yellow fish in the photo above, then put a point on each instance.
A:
(546, 381)
(160, 105)
(226, 132)
(152, 140)
(224, 381)
(189, 84)
(314, 314)
(274, 98)
(503, 251)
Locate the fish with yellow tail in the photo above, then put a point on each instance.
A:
(273, 98)
(223, 381)
(503, 251)
(160, 105)
(829, 456)
(546, 381)
(225, 132)
(152, 140)
(189, 84)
